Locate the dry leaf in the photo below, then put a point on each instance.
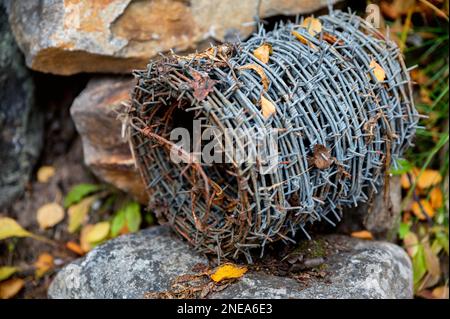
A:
(10, 228)
(440, 292)
(11, 287)
(78, 213)
(267, 107)
(411, 243)
(228, 271)
(429, 177)
(85, 245)
(404, 181)
(322, 157)
(202, 85)
(263, 52)
(258, 69)
(302, 39)
(7, 271)
(49, 215)
(427, 208)
(74, 247)
(362, 234)
(312, 25)
(43, 264)
(332, 39)
(432, 261)
(378, 71)
(436, 198)
(45, 173)
(98, 232)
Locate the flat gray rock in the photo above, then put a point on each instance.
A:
(131, 265)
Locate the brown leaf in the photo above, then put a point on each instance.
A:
(362, 234)
(312, 25)
(411, 243)
(432, 261)
(267, 107)
(49, 215)
(43, 264)
(322, 157)
(202, 85)
(263, 53)
(440, 292)
(11, 287)
(74, 247)
(378, 71)
(332, 39)
(258, 69)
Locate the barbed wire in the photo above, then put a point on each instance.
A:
(328, 102)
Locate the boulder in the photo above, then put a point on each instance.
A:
(72, 36)
(133, 264)
(21, 122)
(106, 152)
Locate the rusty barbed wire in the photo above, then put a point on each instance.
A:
(328, 104)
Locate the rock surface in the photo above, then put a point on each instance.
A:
(72, 36)
(131, 265)
(108, 155)
(20, 121)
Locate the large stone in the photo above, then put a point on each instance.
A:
(71, 36)
(106, 152)
(20, 121)
(131, 265)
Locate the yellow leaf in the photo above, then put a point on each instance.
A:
(263, 52)
(258, 69)
(85, 245)
(429, 177)
(43, 264)
(45, 173)
(440, 292)
(10, 228)
(312, 25)
(427, 208)
(11, 287)
(74, 247)
(78, 213)
(99, 232)
(267, 107)
(404, 181)
(228, 271)
(436, 198)
(362, 234)
(378, 71)
(49, 215)
(7, 271)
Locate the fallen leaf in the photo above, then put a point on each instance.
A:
(411, 243)
(228, 271)
(78, 192)
(428, 178)
(436, 198)
(263, 52)
(11, 287)
(49, 215)
(85, 245)
(322, 157)
(404, 181)
(302, 39)
(362, 234)
(98, 232)
(43, 264)
(416, 208)
(378, 71)
(74, 247)
(202, 85)
(258, 69)
(10, 228)
(332, 39)
(440, 292)
(78, 213)
(312, 25)
(7, 271)
(44, 173)
(432, 261)
(267, 107)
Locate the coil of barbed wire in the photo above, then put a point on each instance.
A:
(340, 101)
